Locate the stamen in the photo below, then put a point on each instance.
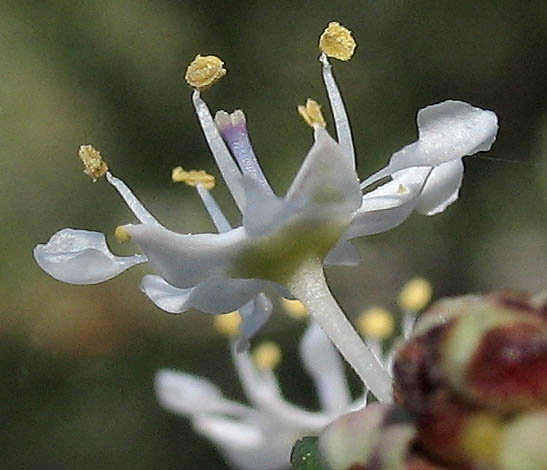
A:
(267, 356)
(131, 200)
(415, 295)
(216, 214)
(341, 120)
(294, 308)
(204, 71)
(402, 189)
(233, 128)
(337, 41)
(121, 234)
(228, 168)
(193, 177)
(376, 322)
(311, 113)
(94, 165)
(227, 324)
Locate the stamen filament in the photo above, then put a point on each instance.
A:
(310, 286)
(216, 214)
(228, 168)
(341, 120)
(131, 200)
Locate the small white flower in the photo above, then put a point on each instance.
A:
(261, 434)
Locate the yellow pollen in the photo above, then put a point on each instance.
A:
(311, 113)
(294, 308)
(402, 189)
(94, 165)
(376, 322)
(121, 234)
(337, 41)
(415, 295)
(227, 324)
(193, 177)
(204, 71)
(481, 439)
(267, 356)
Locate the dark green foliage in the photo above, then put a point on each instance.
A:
(305, 455)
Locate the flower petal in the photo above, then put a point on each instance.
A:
(326, 178)
(325, 366)
(343, 254)
(447, 131)
(384, 208)
(187, 394)
(81, 257)
(213, 296)
(255, 314)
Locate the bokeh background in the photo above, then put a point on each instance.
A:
(77, 363)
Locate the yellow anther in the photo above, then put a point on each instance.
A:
(267, 355)
(193, 177)
(376, 322)
(227, 324)
(294, 308)
(204, 71)
(94, 165)
(311, 113)
(121, 234)
(337, 41)
(482, 437)
(415, 295)
(402, 189)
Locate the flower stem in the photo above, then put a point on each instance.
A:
(309, 285)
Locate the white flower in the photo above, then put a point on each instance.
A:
(261, 434)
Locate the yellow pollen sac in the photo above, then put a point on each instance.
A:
(481, 439)
(376, 322)
(311, 113)
(415, 295)
(402, 189)
(294, 308)
(337, 41)
(227, 324)
(267, 356)
(121, 234)
(94, 165)
(204, 71)
(193, 177)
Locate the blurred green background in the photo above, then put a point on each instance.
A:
(77, 363)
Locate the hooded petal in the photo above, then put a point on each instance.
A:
(81, 257)
(325, 366)
(187, 395)
(188, 260)
(254, 314)
(384, 208)
(326, 178)
(447, 131)
(213, 296)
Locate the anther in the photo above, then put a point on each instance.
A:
(193, 177)
(311, 113)
(294, 308)
(376, 322)
(204, 71)
(337, 41)
(227, 324)
(121, 234)
(94, 165)
(415, 295)
(267, 356)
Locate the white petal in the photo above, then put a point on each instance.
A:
(255, 314)
(81, 257)
(187, 394)
(248, 445)
(343, 254)
(441, 189)
(386, 207)
(188, 260)
(325, 366)
(326, 178)
(213, 296)
(447, 131)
